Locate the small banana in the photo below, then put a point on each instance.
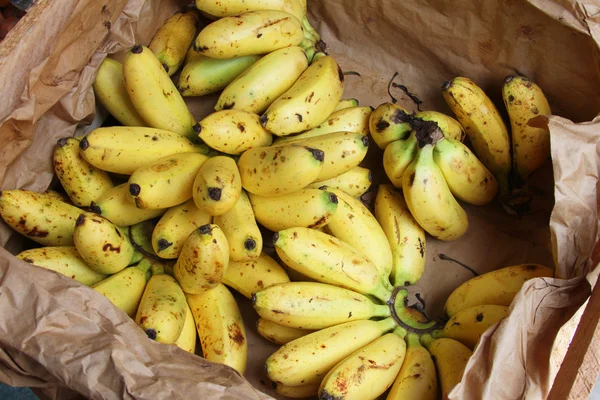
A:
(203, 260)
(65, 260)
(187, 339)
(253, 32)
(228, 8)
(346, 103)
(309, 101)
(354, 182)
(172, 41)
(233, 131)
(279, 334)
(161, 313)
(450, 359)
(297, 392)
(220, 327)
(388, 123)
(469, 324)
(217, 186)
(451, 128)
(249, 277)
(116, 206)
(109, 87)
(258, 86)
(397, 156)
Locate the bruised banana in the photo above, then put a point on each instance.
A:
(469, 324)
(346, 103)
(249, 277)
(217, 186)
(228, 8)
(450, 357)
(354, 182)
(172, 41)
(388, 123)
(116, 206)
(187, 339)
(397, 156)
(253, 32)
(451, 128)
(279, 334)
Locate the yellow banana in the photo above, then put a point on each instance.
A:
(217, 186)
(154, 94)
(309, 101)
(203, 260)
(309, 358)
(388, 123)
(397, 156)
(175, 226)
(497, 287)
(38, 216)
(122, 150)
(354, 182)
(58, 196)
(484, 126)
(279, 334)
(525, 102)
(346, 103)
(233, 131)
(116, 206)
(109, 87)
(467, 178)
(329, 260)
(220, 327)
(469, 324)
(297, 392)
(227, 8)
(274, 171)
(450, 359)
(172, 41)
(161, 313)
(187, 339)
(406, 237)
(240, 229)
(259, 85)
(253, 32)
(451, 128)
(64, 260)
(249, 277)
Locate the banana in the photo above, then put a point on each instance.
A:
(450, 359)
(38, 216)
(525, 103)
(125, 288)
(388, 123)
(451, 128)
(240, 229)
(249, 277)
(274, 171)
(228, 8)
(175, 226)
(314, 305)
(109, 87)
(346, 103)
(154, 94)
(116, 206)
(405, 236)
(57, 196)
(297, 392)
(101, 244)
(469, 324)
(497, 287)
(329, 260)
(309, 358)
(309, 101)
(187, 339)
(233, 131)
(279, 334)
(368, 372)
(220, 327)
(217, 186)
(172, 41)
(354, 182)
(167, 182)
(203, 260)
(203, 75)
(354, 224)
(467, 178)
(253, 32)
(64, 260)
(397, 156)
(417, 378)
(484, 126)
(258, 86)
(122, 150)
(161, 313)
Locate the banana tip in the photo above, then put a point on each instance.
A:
(214, 193)
(253, 298)
(365, 141)
(137, 49)
(509, 78)
(319, 155)
(151, 333)
(80, 220)
(197, 128)
(249, 244)
(95, 209)
(134, 189)
(333, 198)
(371, 176)
(447, 84)
(264, 119)
(205, 229)
(62, 142)
(84, 144)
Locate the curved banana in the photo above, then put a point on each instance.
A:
(187, 339)
(354, 182)
(116, 206)
(397, 156)
(451, 128)
(469, 324)
(388, 123)
(297, 392)
(346, 103)
(217, 186)
(450, 359)
(228, 8)
(249, 277)
(279, 334)
(172, 40)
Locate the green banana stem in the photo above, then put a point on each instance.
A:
(406, 317)
(400, 331)
(318, 55)
(310, 29)
(146, 265)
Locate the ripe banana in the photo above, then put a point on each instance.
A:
(388, 123)
(354, 182)
(526, 103)
(233, 131)
(314, 305)
(346, 103)
(297, 392)
(161, 313)
(220, 327)
(469, 324)
(38, 216)
(172, 41)
(329, 260)
(397, 156)
(217, 186)
(483, 124)
(122, 150)
(116, 206)
(154, 94)
(64, 260)
(450, 359)
(253, 32)
(497, 287)
(451, 128)
(249, 277)
(240, 229)
(309, 358)
(309, 101)
(258, 86)
(175, 226)
(203, 75)
(57, 195)
(405, 236)
(187, 339)
(109, 87)
(274, 171)
(279, 334)
(203, 260)
(227, 8)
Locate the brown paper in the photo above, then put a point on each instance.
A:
(69, 340)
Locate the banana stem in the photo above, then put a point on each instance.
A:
(426, 132)
(310, 29)
(403, 318)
